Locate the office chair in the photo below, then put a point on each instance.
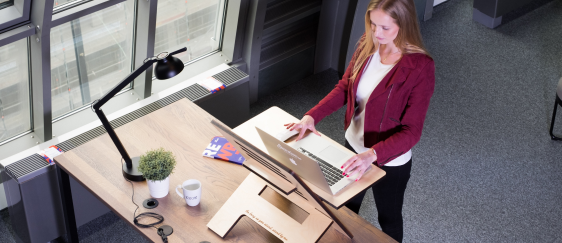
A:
(557, 102)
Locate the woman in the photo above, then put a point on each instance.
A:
(387, 88)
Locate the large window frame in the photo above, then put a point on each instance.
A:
(42, 17)
(10, 36)
(60, 20)
(14, 14)
(6, 3)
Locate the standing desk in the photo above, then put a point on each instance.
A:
(184, 129)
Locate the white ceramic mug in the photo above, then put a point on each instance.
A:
(191, 191)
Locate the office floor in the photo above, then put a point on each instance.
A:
(485, 169)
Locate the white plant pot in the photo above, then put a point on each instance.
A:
(159, 189)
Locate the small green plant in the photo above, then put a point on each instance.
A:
(157, 165)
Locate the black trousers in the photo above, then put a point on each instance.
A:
(389, 198)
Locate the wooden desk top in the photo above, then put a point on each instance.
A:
(184, 129)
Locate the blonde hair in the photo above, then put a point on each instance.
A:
(408, 40)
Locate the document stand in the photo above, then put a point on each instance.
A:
(246, 200)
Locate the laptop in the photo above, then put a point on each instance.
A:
(314, 158)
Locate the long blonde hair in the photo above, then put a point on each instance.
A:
(408, 40)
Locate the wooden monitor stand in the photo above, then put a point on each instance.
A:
(246, 201)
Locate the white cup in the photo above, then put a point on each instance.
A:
(191, 191)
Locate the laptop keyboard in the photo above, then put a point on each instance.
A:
(331, 173)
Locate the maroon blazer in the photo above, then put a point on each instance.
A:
(395, 111)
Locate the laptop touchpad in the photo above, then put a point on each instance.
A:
(332, 153)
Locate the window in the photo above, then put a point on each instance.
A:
(89, 56)
(6, 3)
(58, 3)
(91, 47)
(195, 24)
(15, 110)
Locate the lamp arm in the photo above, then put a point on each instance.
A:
(105, 122)
(126, 81)
(114, 138)
(178, 51)
(98, 104)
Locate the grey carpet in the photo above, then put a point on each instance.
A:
(109, 228)
(485, 169)
(6, 230)
(106, 228)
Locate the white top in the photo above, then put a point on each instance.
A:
(373, 74)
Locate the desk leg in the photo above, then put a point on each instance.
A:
(67, 205)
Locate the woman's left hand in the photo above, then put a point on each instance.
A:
(359, 163)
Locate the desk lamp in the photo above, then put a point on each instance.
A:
(167, 66)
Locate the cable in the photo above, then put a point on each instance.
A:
(136, 217)
(159, 217)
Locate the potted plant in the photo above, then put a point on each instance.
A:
(156, 166)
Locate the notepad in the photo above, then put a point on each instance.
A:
(212, 84)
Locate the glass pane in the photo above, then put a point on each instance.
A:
(89, 56)
(195, 24)
(15, 110)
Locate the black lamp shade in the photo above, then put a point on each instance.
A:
(168, 67)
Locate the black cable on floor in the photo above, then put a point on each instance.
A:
(136, 218)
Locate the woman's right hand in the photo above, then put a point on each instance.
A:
(306, 123)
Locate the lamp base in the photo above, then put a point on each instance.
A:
(133, 173)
